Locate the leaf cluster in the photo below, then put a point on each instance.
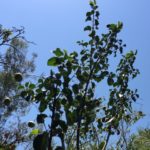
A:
(69, 93)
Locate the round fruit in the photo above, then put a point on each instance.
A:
(18, 77)
(31, 124)
(7, 101)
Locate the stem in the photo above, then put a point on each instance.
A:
(91, 69)
(51, 131)
(52, 124)
(69, 141)
(79, 109)
(79, 114)
(105, 145)
(63, 143)
(96, 134)
(124, 134)
(78, 133)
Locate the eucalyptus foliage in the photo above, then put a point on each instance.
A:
(140, 141)
(13, 61)
(67, 99)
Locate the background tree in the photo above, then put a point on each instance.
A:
(67, 97)
(13, 60)
(140, 141)
(125, 127)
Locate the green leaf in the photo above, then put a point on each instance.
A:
(20, 87)
(110, 81)
(91, 3)
(96, 22)
(55, 61)
(40, 142)
(40, 118)
(35, 132)
(31, 86)
(88, 18)
(92, 34)
(40, 96)
(52, 61)
(101, 145)
(120, 25)
(97, 78)
(26, 84)
(71, 118)
(104, 74)
(112, 27)
(88, 14)
(97, 13)
(43, 106)
(63, 125)
(87, 28)
(23, 94)
(75, 88)
(40, 80)
(58, 52)
(129, 54)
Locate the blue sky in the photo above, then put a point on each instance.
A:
(59, 23)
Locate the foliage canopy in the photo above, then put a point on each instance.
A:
(14, 66)
(67, 99)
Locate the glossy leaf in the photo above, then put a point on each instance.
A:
(58, 52)
(54, 61)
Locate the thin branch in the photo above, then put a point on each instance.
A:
(107, 139)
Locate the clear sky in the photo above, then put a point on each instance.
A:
(59, 23)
